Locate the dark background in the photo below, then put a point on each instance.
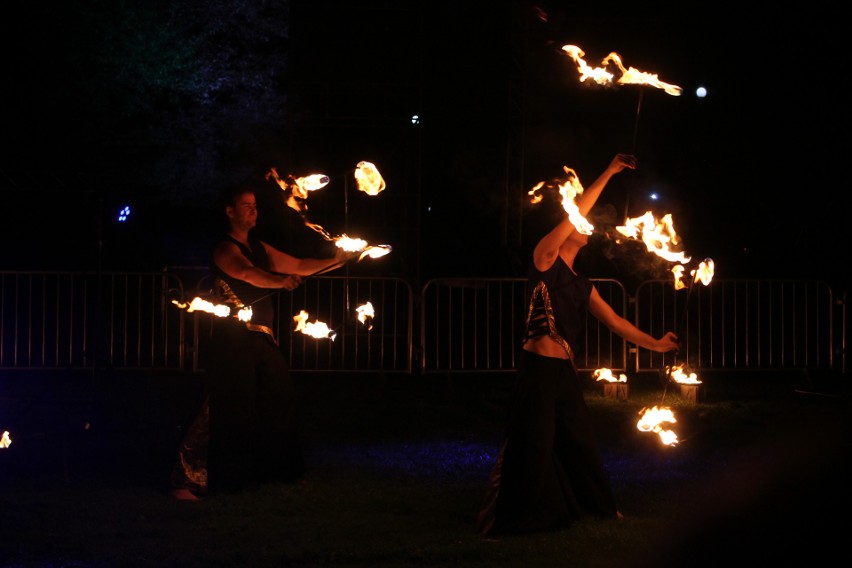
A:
(161, 104)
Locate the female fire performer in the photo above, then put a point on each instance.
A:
(549, 471)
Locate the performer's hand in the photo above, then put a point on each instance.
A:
(621, 161)
(667, 342)
(341, 256)
(291, 282)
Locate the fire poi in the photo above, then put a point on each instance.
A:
(296, 191)
(627, 76)
(369, 181)
(366, 313)
(316, 329)
(658, 235)
(570, 189)
(654, 420)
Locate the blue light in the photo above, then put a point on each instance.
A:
(124, 213)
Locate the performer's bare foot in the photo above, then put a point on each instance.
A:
(184, 495)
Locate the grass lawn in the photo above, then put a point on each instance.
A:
(398, 468)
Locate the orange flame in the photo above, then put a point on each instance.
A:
(677, 270)
(597, 74)
(652, 420)
(199, 304)
(375, 251)
(5, 439)
(704, 272)
(656, 234)
(679, 375)
(633, 76)
(605, 374)
(369, 179)
(570, 189)
(349, 244)
(315, 329)
(297, 188)
(629, 76)
(366, 314)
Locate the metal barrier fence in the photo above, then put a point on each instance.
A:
(127, 320)
(736, 325)
(382, 342)
(65, 320)
(477, 324)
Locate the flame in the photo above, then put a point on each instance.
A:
(629, 76)
(597, 74)
(316, 329)
(5, 439)
(375, 251)
(679, 375)
(366, 312)
(369, 179)
(199, 304)
(677, 270)
(704, 272)
(296, 189)
(349, 244)
(298, 186)
(633, 76)
(311, 182)
(651, 420)
(605, 374)
(656, 234)
(570, 189)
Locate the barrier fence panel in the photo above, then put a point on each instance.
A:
(741, 324)
(67, 320)
(382, 342)
(471, 324)
(127, 320)
(599, 347)
(476, 324)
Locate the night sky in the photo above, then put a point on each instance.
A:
(161, 104)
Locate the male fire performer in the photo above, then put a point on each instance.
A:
(549, 471)
(246, 432)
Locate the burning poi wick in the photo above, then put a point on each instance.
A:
(703, 274)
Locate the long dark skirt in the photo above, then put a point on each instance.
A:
(549, 471)
(254, 429)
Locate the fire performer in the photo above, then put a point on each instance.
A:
(246, 432)
(549, 471)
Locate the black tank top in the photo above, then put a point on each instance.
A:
(558, 298)
(239, 292)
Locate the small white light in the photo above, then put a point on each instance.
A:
(415, 119)
(124, 213)
(700, 92)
